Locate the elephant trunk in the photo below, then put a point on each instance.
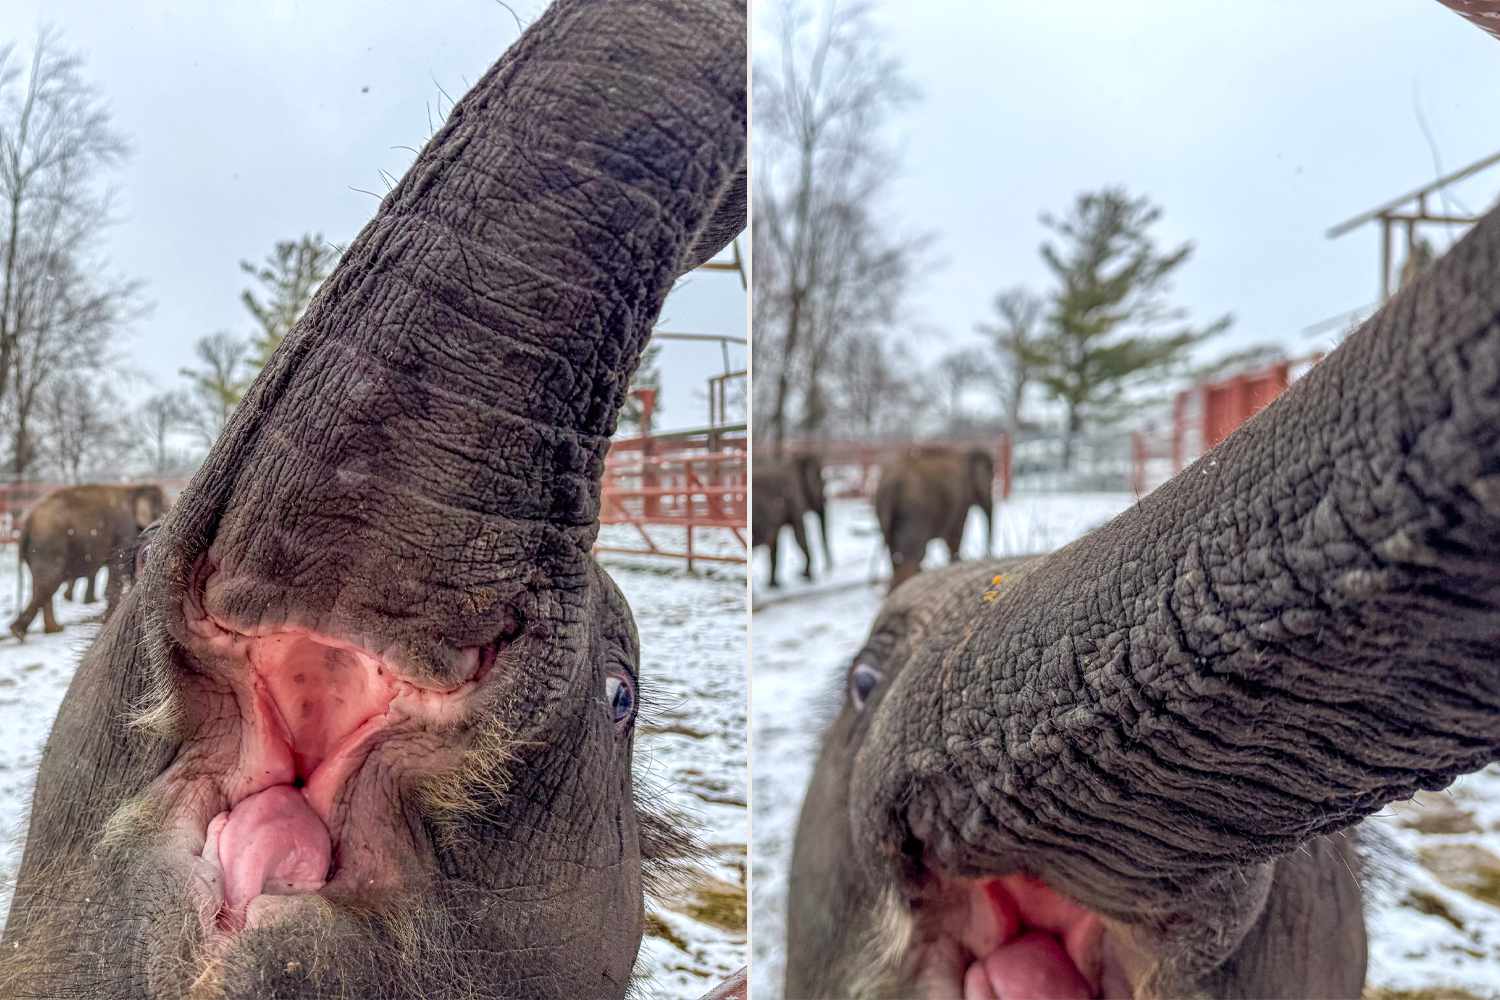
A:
(1485, 13)
(1299, 629)
(434, 429)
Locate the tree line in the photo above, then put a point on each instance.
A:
(64, 311)
(833, 272)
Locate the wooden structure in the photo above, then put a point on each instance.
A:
(1409, 211)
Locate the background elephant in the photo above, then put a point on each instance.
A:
(72, 533)
(809, 472)
(1131, 767)
(778, 498)
(927, 494)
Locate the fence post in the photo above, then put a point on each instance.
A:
(650, 478)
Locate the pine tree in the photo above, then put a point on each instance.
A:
(289, 276)
(1109, 327)
(647, 376)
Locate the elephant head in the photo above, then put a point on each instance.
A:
(1121, 769)
(364, 725)
(147, 503)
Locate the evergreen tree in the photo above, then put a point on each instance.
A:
(288, 277)
(647, 376)
(1109, 327)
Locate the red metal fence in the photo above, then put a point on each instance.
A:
(674, 489)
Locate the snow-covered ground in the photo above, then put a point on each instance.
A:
(690, 749)
(1435, 904)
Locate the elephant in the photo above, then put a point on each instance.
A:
(926, 494)
(1134, 767)
(364, 724)
(809, 472)
(71, 533)
(778, 498)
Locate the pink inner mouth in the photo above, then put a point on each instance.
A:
(1021, 939)
(309, 706)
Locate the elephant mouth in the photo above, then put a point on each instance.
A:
(278, 803)
(1000, 938)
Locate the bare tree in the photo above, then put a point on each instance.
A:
(59, 309)
(155, 421)
(80, 418)
(957, 372)
(1013, 339)
(876, 388)
(218, 384)
(827, 265)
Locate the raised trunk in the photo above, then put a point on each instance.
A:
(1299, 629)
(1485, 13)
(448, 398)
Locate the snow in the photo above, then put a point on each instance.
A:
(690, 747)
(804, 636)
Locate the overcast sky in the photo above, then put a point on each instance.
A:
(251, 121)
(1256, 126)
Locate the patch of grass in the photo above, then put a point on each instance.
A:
(1435, 813)
(1468, 868)
(657, 927)
(719, 903)
(1425, 902)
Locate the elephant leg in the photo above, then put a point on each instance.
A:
(41, 600)
(49, 617)
(903, 568)
(23, 621)
(91, 595)
(799, 532)
(954, 540)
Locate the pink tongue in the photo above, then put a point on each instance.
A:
(1032, 967)
(272, 842)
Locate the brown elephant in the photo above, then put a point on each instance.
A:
(779, 499)
(926, 494)
(71, 533)
(809, 472)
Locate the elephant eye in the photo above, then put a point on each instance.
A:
(863, 679)
(619, 695)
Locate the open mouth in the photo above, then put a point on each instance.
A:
(1013, 937)
(291, 806)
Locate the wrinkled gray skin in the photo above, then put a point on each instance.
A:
(778, 499)
(416, 474)
(1171, 720)
(926, 494)
(71, 533)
